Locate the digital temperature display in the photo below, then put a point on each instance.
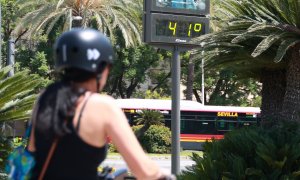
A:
(182, 29)
(174, 29)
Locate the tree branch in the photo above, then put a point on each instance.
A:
(20, 35)
(196, 95)
(161, 82)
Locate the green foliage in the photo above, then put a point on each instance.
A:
(227, 88)
(19, 141)
(17, 95)
(6, 146)
(136, 128)
(157, 139)
(112, 148)
(10, 13)
(39, 64)
(223, 86)
(252, 35)
(150, 95)
(150, 117)
(130, 69)
(252, 153)
(36, 55)
(105, 15)
(3, 176)
(147, 118)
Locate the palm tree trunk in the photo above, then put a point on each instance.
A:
(291, 104)
(273, 90)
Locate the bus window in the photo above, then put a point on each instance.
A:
(206, 124)
(188, 125)
(231, 125)
(246, 121)
(226, 124)
(182, 126)
(207, 127)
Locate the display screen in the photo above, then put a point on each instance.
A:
(182, 29)
(199, 5)
(174, 29)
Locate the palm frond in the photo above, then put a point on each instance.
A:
(17, 95)
(284, 46)
(257, 33)
(108, 14)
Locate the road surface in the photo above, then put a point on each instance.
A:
(163, 162)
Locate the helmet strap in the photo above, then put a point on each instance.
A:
(98, 78)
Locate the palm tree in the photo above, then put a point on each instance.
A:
(105, 15)
(261, 38)
(16, 95)
(148, 118)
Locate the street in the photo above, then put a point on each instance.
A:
(163, 162)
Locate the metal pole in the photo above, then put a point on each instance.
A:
(11, 61)
(0, 36)
(71, 19)
(175, 116)
(11, 56)
(203, 83)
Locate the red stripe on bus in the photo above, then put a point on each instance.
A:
(201, 136)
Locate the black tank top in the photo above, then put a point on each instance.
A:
(72, 159)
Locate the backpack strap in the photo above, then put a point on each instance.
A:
(81, 111)
(49, 156)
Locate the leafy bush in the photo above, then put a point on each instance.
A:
(135, 129)
(150, 117)
(157, 139)
(6, 146)
(3, 176)
(253, 153)
(112, 148)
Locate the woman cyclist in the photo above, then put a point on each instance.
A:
(71, 112)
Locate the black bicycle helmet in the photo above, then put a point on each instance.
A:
(85, 49)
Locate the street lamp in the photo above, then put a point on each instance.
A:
(0, 36)
(202, 71)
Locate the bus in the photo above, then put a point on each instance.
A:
(198, 123)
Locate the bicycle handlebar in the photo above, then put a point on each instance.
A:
(122, 174)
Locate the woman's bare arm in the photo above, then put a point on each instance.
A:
(119, 131)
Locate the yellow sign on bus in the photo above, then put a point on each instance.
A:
(228, 114)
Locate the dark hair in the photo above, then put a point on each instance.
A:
(57, 104)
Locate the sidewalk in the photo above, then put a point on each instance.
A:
(153, 157)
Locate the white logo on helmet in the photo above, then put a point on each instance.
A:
(93, 54)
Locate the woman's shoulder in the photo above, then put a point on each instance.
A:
(107, 105)
(102, 99)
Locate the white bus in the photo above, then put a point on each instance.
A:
(198, 123)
